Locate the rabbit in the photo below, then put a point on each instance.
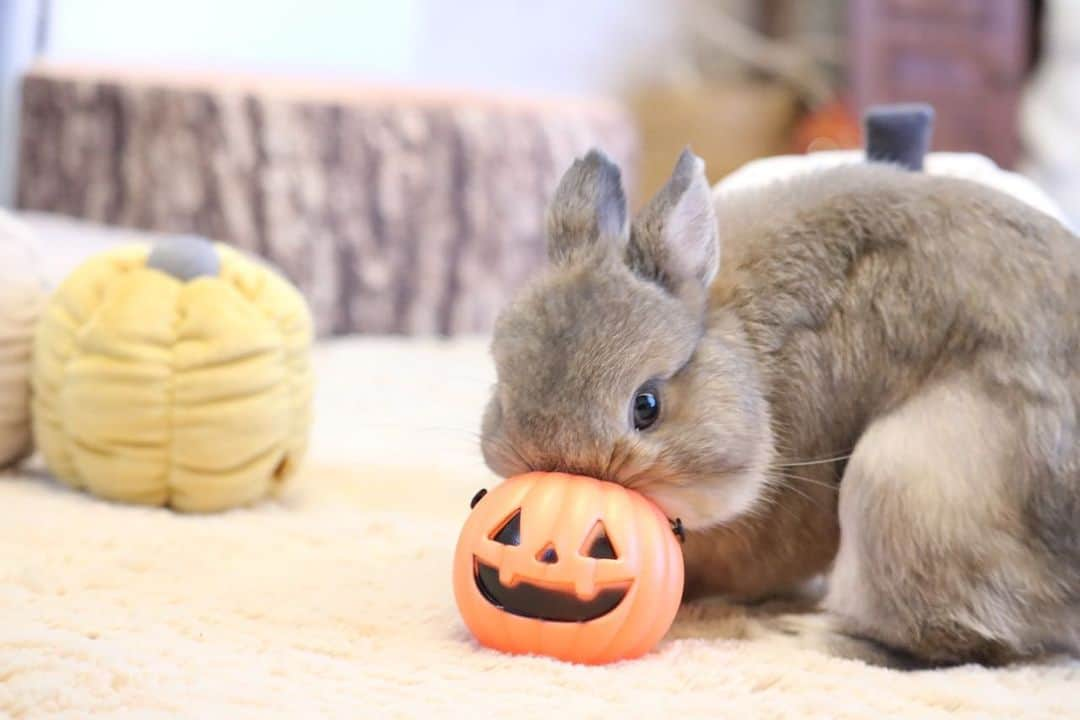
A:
(865, 372)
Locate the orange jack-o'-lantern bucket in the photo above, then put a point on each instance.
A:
(570, 567)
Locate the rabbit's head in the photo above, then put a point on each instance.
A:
(610, 364)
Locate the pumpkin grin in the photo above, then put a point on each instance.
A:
(531, 600)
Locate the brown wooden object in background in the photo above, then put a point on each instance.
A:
(968, 58)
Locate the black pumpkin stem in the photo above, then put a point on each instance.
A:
(677, 528)
(477, 497)
(899, 134)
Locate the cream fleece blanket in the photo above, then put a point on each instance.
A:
(335, 600)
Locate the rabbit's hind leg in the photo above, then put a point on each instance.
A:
(937, 558)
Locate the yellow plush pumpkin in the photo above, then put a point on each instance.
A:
(178, 375)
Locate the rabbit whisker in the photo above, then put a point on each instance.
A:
(804, 463)
(809, 481)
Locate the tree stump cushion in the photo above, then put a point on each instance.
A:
(393, 211)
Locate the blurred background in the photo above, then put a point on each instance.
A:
(394, 158)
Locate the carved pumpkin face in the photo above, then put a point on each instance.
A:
(567, 566)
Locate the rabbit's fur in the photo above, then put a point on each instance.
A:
(864, 371)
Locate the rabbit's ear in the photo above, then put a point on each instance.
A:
(675, 239)
(588, 209)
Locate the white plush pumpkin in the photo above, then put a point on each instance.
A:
(22, 294)
(970, 166)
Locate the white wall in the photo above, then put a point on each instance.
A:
(552, 46)
(1050, 113)
(18, 34)
(374, 37)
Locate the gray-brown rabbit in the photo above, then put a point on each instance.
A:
(922, 332)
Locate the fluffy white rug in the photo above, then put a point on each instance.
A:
(336, 600)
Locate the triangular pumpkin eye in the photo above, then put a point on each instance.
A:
(599, 546)
(548, 555)
(510, 532)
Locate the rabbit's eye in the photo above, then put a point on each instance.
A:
(646, 406)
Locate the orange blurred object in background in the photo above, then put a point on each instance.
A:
(832, 126)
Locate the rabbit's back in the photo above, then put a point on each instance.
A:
(885, 270)
(860, 286)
